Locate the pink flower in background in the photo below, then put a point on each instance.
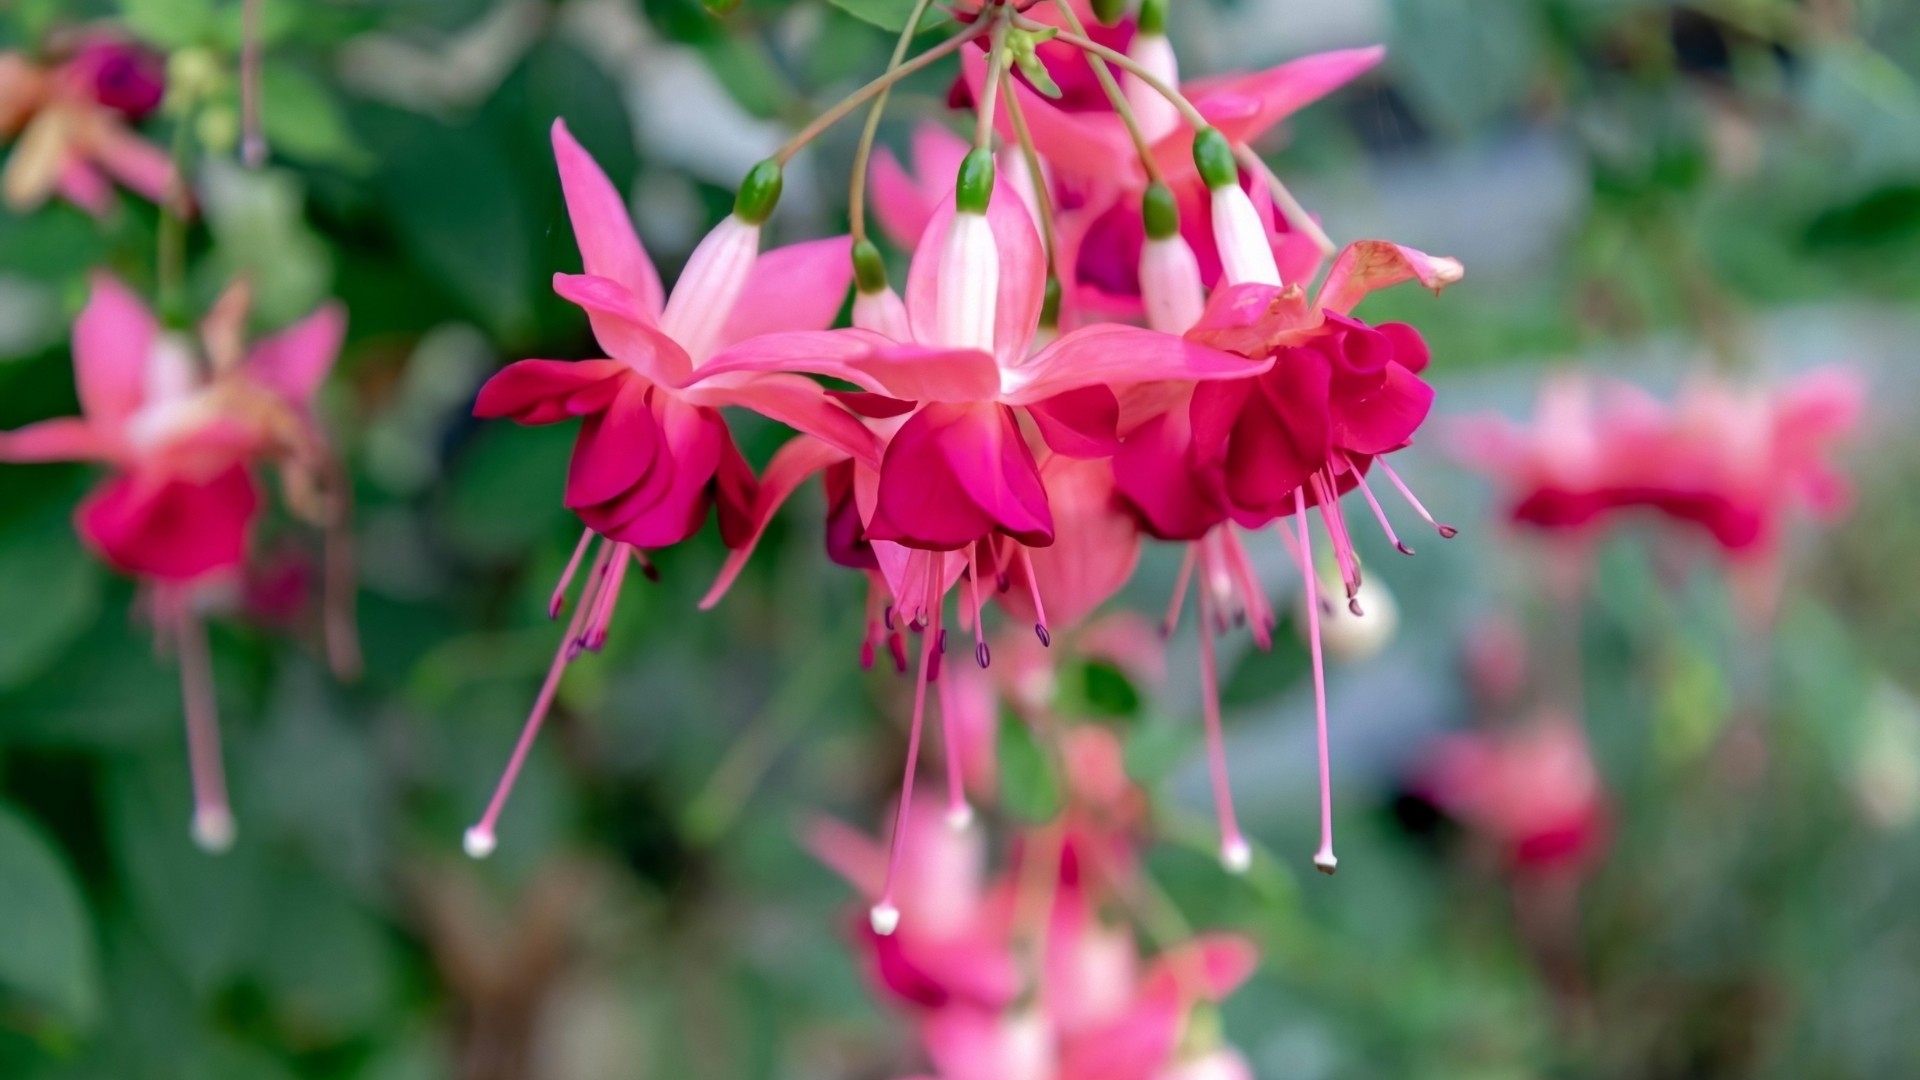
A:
(71, 121)
(1531, 789)
(181, 429)
(653, 453)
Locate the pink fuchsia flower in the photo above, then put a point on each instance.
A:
(653, 454)
(181, 428)
(1531, 789)
(72, 126)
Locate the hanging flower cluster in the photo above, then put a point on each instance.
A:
(1007, 430)
(71, 119)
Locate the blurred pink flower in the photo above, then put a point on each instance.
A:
(1531, 789)
(72, 125)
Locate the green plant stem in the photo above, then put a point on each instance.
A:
(996, 65)
(1116, 96)
(1032, 156)
(1125, 63)
(853, 101)
(857, 193)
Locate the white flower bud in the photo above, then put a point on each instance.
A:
(1244, 253)
(1170, 285)
(969, 284)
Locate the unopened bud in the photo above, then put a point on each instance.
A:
(1109, 12)
(974, 190)
(1213, 156)
(759, 193)
(1153, 16)
(869, 270)
(1161, 211)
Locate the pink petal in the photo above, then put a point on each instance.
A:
(614, 448)
(609, 247)
(1386, 419)
(83, 186)
(868, 360)
(955, 473)
(1153, 473)
(1366, 265)
(1281, 435)
(1247, 318)
(1079, 423)
(136, 163)
(623, 331)
(549, 391)
(296, 360)
(112, 340)
(797, 287)
(66, 438)
(1284, 90)
(800, 458)
(801, 404)
(901, 207)
(1023, 273)
(1409, 348)
(1095, 546)
(170, 528)
(671, 503)
(1116, 355)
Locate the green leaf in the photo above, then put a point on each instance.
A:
(889, 14)
(1109, 692)
(1262, 675)
(170, 24)
(51, 590)
(505, 492)
(1153, 750)
(47, 950)
(1028, 789)
(303, 121)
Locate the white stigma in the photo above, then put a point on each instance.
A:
(479, 843)
(1245, 255)
(885, 919)
(960, 817)
(213, 830)
(711, 284)
(1157, 116)
(1325, 862)
(1236, 856)
(969, 284)
(1170, 285)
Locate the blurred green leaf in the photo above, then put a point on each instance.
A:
(303, 121)
(260, 230)
(170, 24)
(47, 949)
(1264, 674)
(889, 14)
(1109, 692)
(1154, 750)
(506, 492)
(1028, 789)
(50, 586)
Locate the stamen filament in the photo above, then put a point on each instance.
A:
(1179, 597)
(1447, 532)
(1039, 609)
(884, 916)
(959, 812)
(1235, 855)
(559, 601)
(213, 827)
(1378, 514)
(596, 635)
(1259, 612)
(981, 654)
(1324, 858)
(1336, 534)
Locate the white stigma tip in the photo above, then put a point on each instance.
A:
(885, 919)
(1325, 862)
(213, 830)
(960, 817)
(1236, 856)
(479, 843)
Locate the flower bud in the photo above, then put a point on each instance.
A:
(759, 193)
(1109, 12)
(1161, 212)
(1157, 116)
(869, 270)
(974, 189)
(711, 283)
(1213, 156)
(1170, 284)
(881, 312)
(1153, 17)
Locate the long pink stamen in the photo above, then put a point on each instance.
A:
(559, 601)
(1235, 855)
(981, 654)
(1378, 514)
(1337, 534)
(884, 916)
(213, 827)
(959, 812)
(1039, 609)
(1179, 596)
(480, 840)
(1259, 612)
(1447, 532)
(1292, 544)
(595, 637)
(1323, 858)
(1000, 579)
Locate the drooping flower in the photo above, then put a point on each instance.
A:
(1531, 789)
(72, 125)
(653, 454)
(181, 425)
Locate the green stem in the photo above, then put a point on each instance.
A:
(171, 243)
(1032, 156)
(857, 194)
(833, 116)
(1290, 207)
(996, 64)
(1114, 95)
(1127, 63)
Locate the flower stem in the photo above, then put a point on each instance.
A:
(853, 101)
(1042, 197)
(1125, 63)
(171, 244)
(1290, 208)
(996, 67)
(253, 140)
(857, 195)
(1114, 95)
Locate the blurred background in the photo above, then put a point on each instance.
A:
(1637, 188)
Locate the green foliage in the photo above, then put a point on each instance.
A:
(1029, 789)
(47, 951)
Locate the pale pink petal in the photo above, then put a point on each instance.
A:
(1366, 265)
(1095, 546)
(866, 359)
(1116, 355)
(1284, 90)
(800, 458)
(83, 186)
(797, 287)
(112, 340)
(138, 164)
(608, 245)
(621, 329)
(67, 438)
(295, 361)
(849, 852)
(899, 203)
(801, 404)
(1023, 274)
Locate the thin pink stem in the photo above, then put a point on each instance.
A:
(1337, 533)
(1000, 579)
(1378, 514)
(596, 635)
(1179, 596)
(559, 601)
(981, 654)
(1447, 532)
(253, 139)
(212, 817)
(884, 916)
(1039, 609)
(1234, 852)
(1323, 858)
(959, 813)
(1259, 612)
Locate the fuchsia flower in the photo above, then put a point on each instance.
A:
(1728, 460)
(653, 453)
(1531, 789)
(181, 429)
(72, 126)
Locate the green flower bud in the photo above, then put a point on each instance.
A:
(1214, 158)
(1153, 16)
(1109, 12)
(975, 188)
(759, 193)
(1161, 212)
(1050, 304)
(869, 272)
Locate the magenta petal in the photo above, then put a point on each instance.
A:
(609, 247)
(1112, 355)
(295, 361)
(663, 512)
(1386, 419)
(614, 448)
(955, 473)
(1409, 348)
(618, 325)
(66, 438)
(1281, 436)
(1079, 423)
(112, 340)
(169, 528)
(797, 287)
(1151, 471)
(549, 391)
